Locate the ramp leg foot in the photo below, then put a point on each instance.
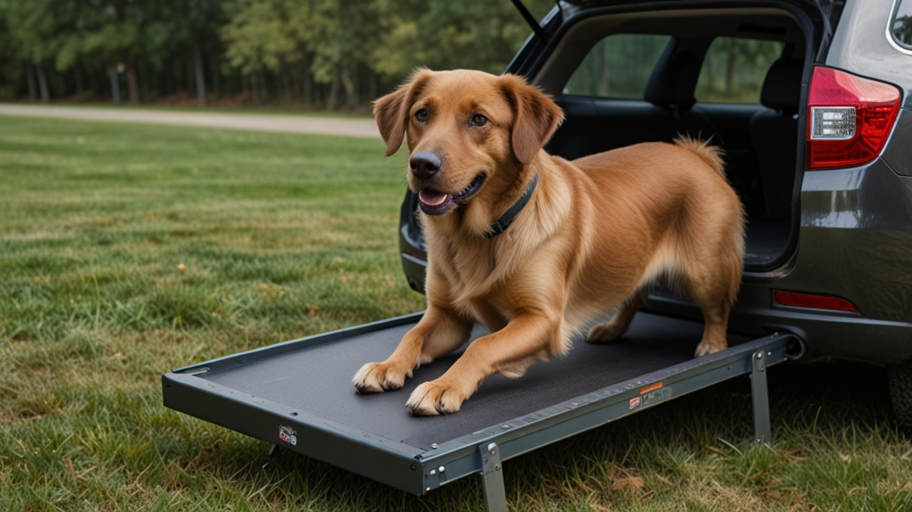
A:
(273, 449)
(495, 495)
(762, 429)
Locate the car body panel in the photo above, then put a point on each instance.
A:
(856, 240)
(899, 154)
(860, 45)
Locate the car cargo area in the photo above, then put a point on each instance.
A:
(732, 76)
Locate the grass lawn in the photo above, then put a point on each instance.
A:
(130, 250)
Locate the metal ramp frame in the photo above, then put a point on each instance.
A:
(259, 393)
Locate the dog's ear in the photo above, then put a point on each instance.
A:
(391, 111)
(535, 117)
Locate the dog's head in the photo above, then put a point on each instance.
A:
(469, 133)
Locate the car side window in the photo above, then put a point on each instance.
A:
(618, 66)
(901, 27)
(734, 69)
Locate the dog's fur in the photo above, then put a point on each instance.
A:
(597, 233)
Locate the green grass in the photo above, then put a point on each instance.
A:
(282, 236)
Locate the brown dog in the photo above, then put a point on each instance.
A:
(592, 235)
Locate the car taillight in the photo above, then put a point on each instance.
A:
(849, 118)
(807, 300)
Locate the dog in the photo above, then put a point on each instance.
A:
(535, 247)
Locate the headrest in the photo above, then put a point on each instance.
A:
(782, 86)
(674, 85)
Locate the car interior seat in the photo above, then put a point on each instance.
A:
(774, 135)
(672, 87)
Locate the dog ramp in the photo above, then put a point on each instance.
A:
(298, 395)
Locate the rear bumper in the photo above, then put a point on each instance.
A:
(839, 335)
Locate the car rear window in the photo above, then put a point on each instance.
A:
(734, 69)
(618, 66)
(902, 24)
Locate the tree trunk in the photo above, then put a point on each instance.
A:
(32, 88)
(132, 83)
(308, 83)
(730, 70)
(190, 75)
(333, 91)
(349, 79)
(80, 82)
(372, 85)
(115, 85)
(216, 79)
(149, 88)
(43, 84)
(286, 83)
(296, 81)
(168, 80)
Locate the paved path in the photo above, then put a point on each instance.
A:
(276, 123)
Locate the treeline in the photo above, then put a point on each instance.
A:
(320, 53)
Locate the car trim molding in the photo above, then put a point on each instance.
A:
(889, 32)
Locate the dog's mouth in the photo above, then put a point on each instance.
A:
(432, 202)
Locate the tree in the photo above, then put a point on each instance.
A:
(125, 32)
(40, 30)
(259, 38)
(339, 34)
(443, 34)
(325, 48)
(197, 25)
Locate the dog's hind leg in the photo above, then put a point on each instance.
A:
(715, 295)
(439, 332)
(618, 325)
(715, 327)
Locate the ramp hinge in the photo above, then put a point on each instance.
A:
(495, 495)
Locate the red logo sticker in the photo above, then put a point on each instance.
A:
(288, 435)
(634, 403)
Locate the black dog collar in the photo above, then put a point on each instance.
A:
(504, 222)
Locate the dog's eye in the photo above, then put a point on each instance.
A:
(421, 115)
(479, 120)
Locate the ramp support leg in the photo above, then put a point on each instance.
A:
(762, 430)
(495, 496)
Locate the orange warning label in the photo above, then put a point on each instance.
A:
(652, 387)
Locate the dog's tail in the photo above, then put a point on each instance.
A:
(712, 155)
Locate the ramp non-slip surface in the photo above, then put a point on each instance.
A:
(317, 380)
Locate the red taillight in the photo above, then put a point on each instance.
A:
(849, 118)
(805, 300)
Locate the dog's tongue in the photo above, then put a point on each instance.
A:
(431, 198)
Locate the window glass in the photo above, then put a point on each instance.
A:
(618, 66)
(734, 69)
(902, 24)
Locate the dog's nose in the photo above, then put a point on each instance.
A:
(424, 164)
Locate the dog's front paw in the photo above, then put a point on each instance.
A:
(379, 377)
(706, 348)
(433, 398)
